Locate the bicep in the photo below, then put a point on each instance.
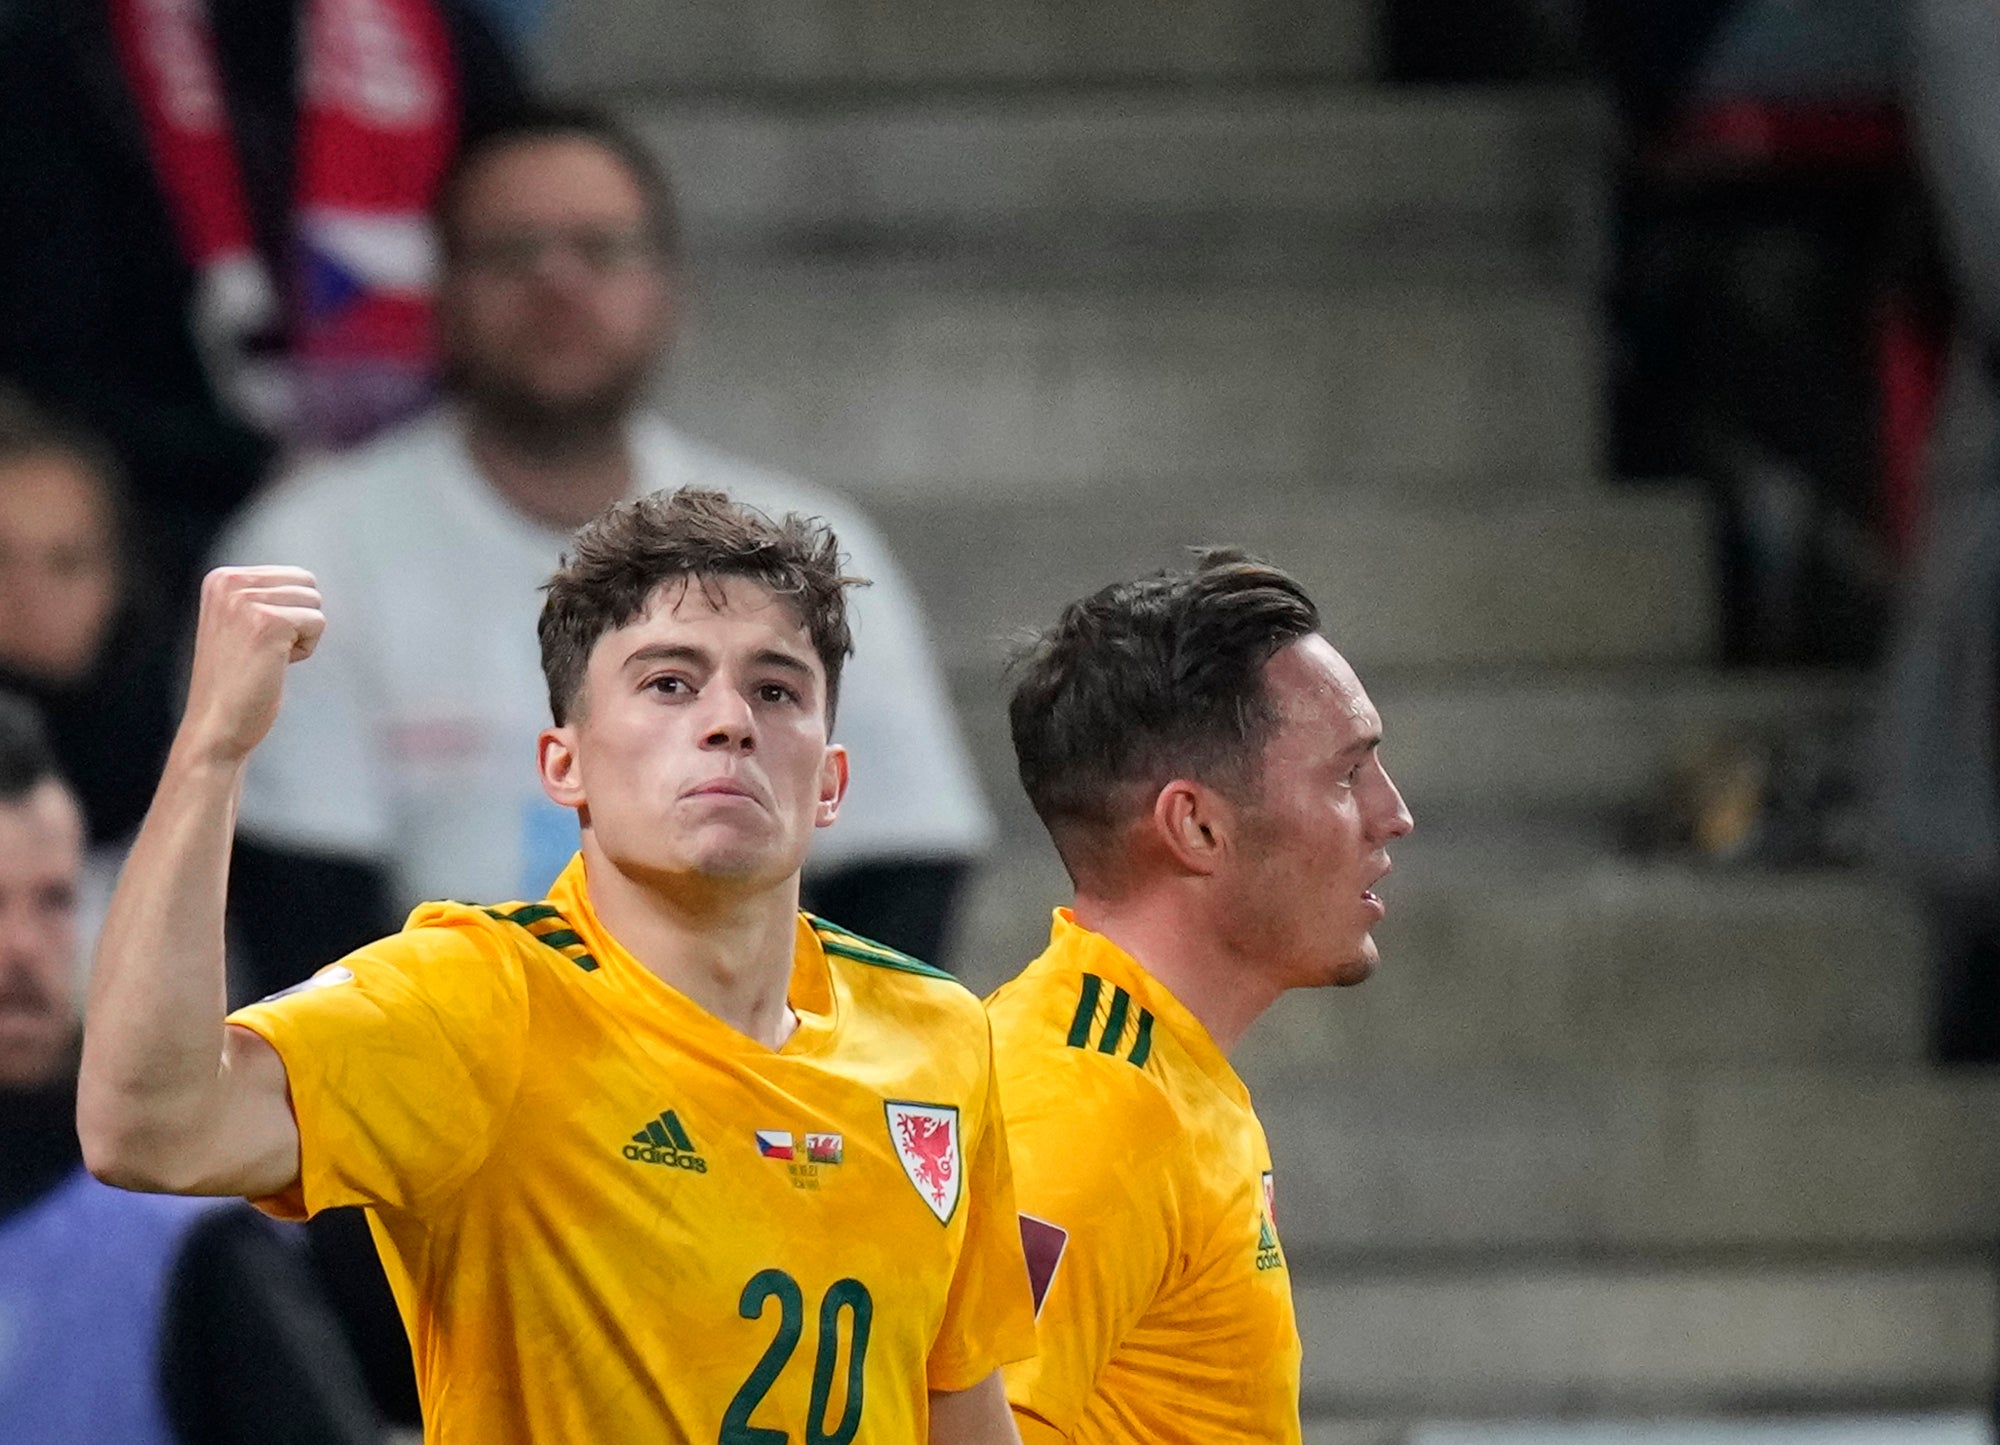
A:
(978, 1416)
(253, 1150)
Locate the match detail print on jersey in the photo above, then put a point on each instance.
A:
(925, 1137)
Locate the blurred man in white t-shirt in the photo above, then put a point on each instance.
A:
(403, 768)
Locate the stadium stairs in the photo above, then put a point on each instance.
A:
(1061, 289)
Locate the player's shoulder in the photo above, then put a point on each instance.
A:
(536, 931)
(1079, 1041)
(882, 968)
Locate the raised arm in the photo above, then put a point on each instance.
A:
(171, 1099)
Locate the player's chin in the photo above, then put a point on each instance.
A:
(1354, 967)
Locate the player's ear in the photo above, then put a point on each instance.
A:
(832, 785)
(562, 773)
(1189, 821)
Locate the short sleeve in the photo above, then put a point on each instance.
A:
(1102, 1222)
(402, 1061)
(317, 781)
(989, 1320)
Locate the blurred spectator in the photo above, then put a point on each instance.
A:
(403, 768)
(1768, 299)
(80, 633)
(214, 241)
(125, 1318)
(1940, 746)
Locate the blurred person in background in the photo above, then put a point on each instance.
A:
(1208, 768)
(123, 1318)
(82, 634)
(214, 243)
(402, 771)
(1940, 746)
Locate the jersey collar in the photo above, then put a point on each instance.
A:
(810, 994)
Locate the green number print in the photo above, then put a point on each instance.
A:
(848, 1296)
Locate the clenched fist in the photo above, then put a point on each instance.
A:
(254, 622)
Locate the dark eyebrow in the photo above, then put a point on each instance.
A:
(669, 652)
(695, 656)
(1361, 745)
(784, 661)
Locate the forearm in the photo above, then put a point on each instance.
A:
(153, 1056)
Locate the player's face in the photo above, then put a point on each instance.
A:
(700, 743)
(1318, 831)
(59, 583)
(41, 854)
(556, 304)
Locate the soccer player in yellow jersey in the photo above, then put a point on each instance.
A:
(1208, 767)
(657, 1158)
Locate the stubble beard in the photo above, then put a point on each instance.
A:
(553, 429)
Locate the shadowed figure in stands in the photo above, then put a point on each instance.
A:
(136, 1320)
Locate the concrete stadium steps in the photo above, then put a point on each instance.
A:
(963, 394)
(1483, 586)
(762, 45)
(1623, 968)
(1601, 967)
(1684, 1340)
(1486, 1164)
(1329, 183)
(1512, 742)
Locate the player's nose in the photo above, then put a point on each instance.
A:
(730, 721)
(1397, 821)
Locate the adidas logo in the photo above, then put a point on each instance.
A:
(665, 1141)
(1269, 1256)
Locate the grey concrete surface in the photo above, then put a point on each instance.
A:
(762, 45)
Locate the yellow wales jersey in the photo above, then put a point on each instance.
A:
(1144, 1182)
(608, 1216)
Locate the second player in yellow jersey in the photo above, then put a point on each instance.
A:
(1165, 1308)
(1207, 766)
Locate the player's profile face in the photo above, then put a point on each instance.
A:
(41, 855)
(1318, 831)
(699, 742)
(556, 302)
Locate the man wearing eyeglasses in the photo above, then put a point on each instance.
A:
(397, 771)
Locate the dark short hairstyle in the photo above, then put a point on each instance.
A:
(533, 123)
(29, 430)
(1146, 681)
(619, 560)
(26, 759)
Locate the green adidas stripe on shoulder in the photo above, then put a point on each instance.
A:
(840, 942)
(562, 938)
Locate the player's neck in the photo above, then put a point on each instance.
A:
(559, 479)
(1196, 963)
(730, 953)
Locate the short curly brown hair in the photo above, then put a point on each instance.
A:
(617, 561)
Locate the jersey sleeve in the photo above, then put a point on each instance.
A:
(318, 780)
(988, 1320)
(1096, 1163)
(402, 1062)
